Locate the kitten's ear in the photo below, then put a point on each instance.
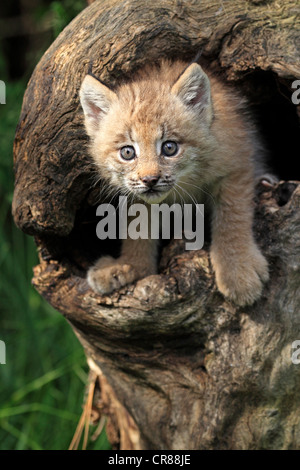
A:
(96, 100)
(193, 88)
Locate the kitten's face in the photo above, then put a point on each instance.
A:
(149, 139)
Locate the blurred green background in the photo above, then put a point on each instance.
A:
(43, 381)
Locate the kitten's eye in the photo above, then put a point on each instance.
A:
(169, 148)
(127, 153)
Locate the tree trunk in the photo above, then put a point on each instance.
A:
(185, 368)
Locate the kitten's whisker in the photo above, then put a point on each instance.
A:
(186, 192)
(191, 197)
(180, 196)
(203, 190)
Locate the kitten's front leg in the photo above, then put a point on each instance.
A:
(138, 259)
(239, 266)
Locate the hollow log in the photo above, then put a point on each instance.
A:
(183, 367)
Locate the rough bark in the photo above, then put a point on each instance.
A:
(192, 371)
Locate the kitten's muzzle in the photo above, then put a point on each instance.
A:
(153, 187)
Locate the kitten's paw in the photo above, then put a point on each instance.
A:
(109, 274)
(241, 280)
(268, 180)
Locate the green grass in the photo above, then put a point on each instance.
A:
(42, 383)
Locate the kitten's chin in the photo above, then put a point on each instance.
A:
(155, 197)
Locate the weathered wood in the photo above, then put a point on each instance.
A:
(192, 370)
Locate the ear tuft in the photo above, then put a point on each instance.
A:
(193, 88)
(95, 99)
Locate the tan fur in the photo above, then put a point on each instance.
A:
(218, 160)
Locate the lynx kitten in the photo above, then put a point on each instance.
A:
(175, 133)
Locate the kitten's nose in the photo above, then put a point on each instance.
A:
(150, 180)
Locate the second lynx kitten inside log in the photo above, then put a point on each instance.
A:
(176, 133)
